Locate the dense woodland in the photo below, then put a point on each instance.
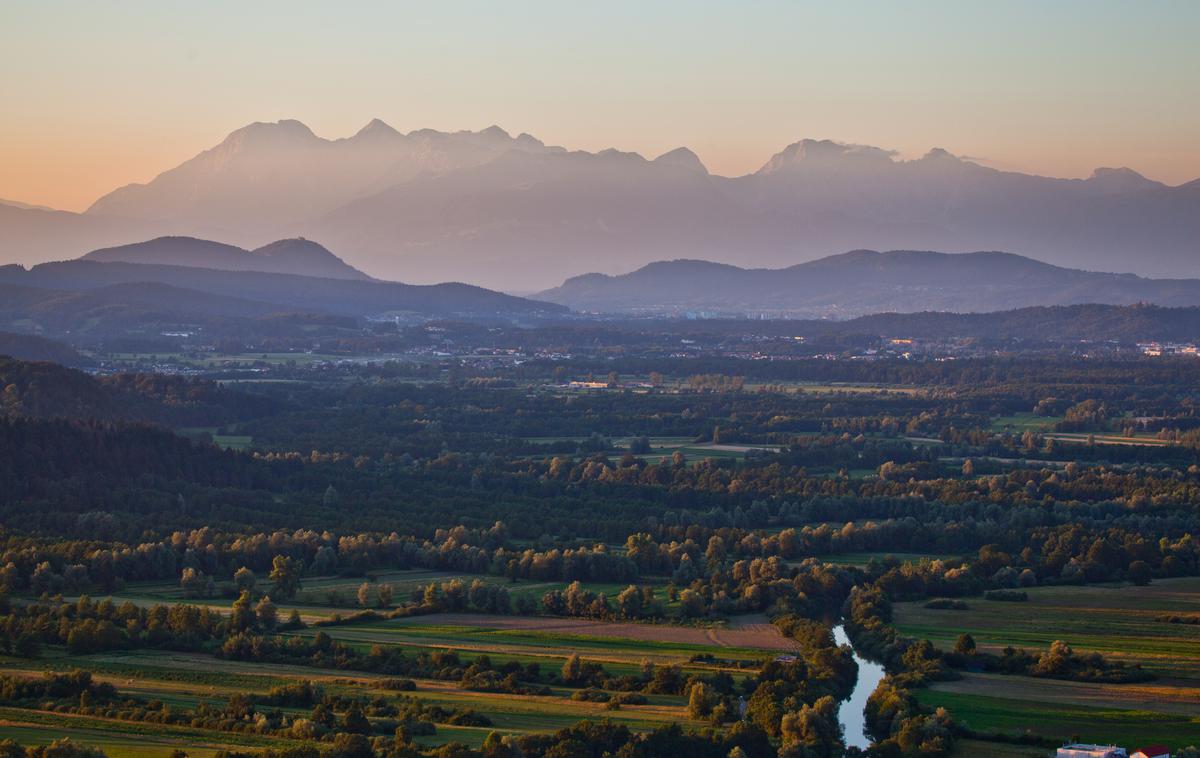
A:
(504, 473)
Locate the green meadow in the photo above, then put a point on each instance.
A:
(1118, 621)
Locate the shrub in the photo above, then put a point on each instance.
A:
(947, 604)
(1006, 596)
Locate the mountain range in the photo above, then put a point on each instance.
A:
(514, 213)
(863, 282)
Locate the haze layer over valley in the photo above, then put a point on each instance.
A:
(513, 213)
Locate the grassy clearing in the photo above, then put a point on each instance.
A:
(697, 452)
(226, 441)
(233, 441)
(862, 559)
(1020, 423)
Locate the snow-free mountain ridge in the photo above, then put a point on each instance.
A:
(863, 282)
(291, 256)
(514, 213)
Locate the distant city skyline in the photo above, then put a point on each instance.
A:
(100, 95)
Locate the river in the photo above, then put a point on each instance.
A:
(850, 712)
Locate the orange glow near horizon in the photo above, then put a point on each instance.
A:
(98, 96)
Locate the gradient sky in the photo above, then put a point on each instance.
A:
(96, 95)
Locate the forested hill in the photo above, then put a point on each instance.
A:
(279, 292)
(1057, 325)
(863, 282)
(31, 347)
(1127, 324)
(48, 390)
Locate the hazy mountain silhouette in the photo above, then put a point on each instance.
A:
(512, 212)
(862, 282)
(119, 305)
(24, 206)
(1045, 324)
(32, 235)
(277, 292)
(291, 256)
(280, 175)
(526, 219)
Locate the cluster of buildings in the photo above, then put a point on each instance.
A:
(1156, 349)
(1081, 750)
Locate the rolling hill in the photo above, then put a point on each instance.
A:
(291, 256)
(284, 291)
(100, 296)
(862, 282)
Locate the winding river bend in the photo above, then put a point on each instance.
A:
(850, 712)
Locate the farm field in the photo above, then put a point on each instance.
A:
(186, 680)
(549, 641)
(965, 748)
(1013, 716)
(1109, 439)
(40, 729)
(752, 633)
(1118, 621)
(1171, 697)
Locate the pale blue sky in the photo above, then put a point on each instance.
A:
(100, 94)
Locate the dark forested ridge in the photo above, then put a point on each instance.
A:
(47, 390)
(30, 347)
